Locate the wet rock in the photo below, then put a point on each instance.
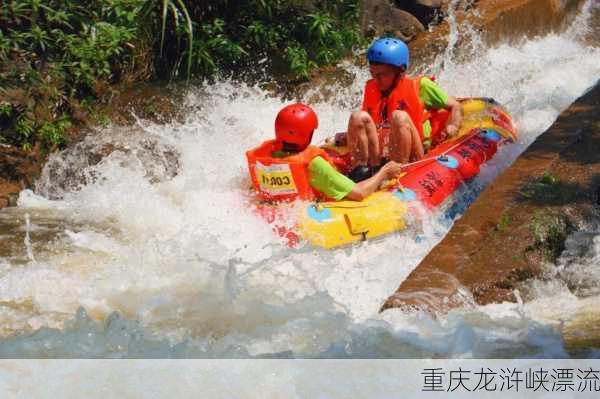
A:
(582, 331)
(499, 21)
(18, 168)
(426, 11)
(550, 232)
(430, 3)
(12, 199)
(519, 223)
(78, 165)
(380, 17)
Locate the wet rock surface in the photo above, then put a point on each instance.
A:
(407, 17)
(499, 21)
(424, 21)
(18, 169)
(76, 167)
(519, 223)
(381, 17)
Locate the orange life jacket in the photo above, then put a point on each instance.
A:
(404, 97)
(282, 179)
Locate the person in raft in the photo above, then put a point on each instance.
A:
(289, 167)
(401, 117)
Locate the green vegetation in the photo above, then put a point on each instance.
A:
(548, 189)
(59, 58)
(60, 55)
(549, 232)
(537, 187)
(503, 223)
(293, 35)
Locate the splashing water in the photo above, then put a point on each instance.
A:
(27, 240)
(154, 221)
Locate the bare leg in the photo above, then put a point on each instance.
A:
(417, 151)
(405, 143)
(363, 140)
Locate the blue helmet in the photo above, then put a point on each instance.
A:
(388, 50)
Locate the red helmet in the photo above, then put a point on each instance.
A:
(295, 125)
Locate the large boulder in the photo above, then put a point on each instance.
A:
(426, 11)
(80, 164)
(431, 3)
(380, 17)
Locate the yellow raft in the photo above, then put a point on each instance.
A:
(486, 125)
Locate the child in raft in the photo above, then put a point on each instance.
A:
(289, 167)
(401, 117)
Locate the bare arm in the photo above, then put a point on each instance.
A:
(366, 187)
(456, 116)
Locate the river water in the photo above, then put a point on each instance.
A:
(149, 247)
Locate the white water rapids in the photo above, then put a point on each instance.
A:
(160, 231)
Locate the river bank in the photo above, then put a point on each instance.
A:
(519, 223)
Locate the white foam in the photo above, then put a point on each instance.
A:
(185, 255)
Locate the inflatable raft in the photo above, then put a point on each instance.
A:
(486, 125)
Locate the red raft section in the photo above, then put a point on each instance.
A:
(435, 179)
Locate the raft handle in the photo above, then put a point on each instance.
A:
(362, 233)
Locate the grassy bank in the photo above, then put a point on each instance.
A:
(60, 59)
